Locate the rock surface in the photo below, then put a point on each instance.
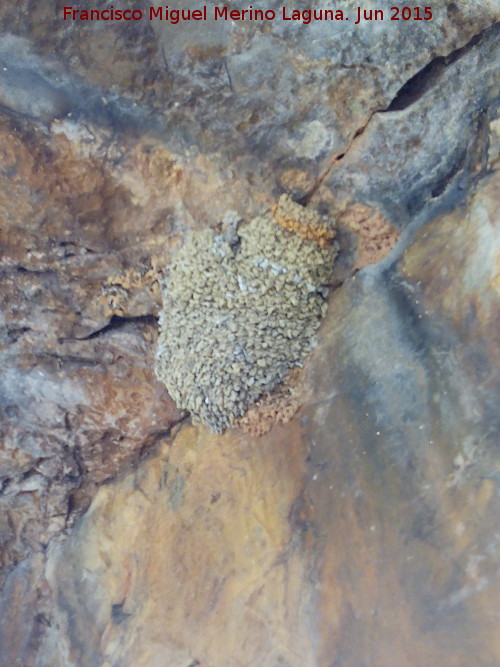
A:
(363, 531)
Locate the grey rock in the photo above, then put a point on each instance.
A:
(29, 93)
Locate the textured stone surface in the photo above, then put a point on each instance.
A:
(267, 100)
(409, 479)
(75, 407)
(362, 532)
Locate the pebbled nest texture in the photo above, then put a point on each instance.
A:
(241, 308)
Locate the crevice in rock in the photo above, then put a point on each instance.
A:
(117, 322)
(427, 77)
(35, 272)
(409, 93)
(13, 335)
(153, 439)
(457, 167)
(472, 161)
(33, 470)
(72, 249)
(4, 484)
(79, 463)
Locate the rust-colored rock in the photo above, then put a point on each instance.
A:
(76, 409)
(375, 235)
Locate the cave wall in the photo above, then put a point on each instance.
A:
(361, 532)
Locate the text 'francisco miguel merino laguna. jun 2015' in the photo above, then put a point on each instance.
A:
(211, 13)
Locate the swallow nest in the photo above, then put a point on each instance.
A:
(241, 308)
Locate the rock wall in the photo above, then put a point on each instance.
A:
(364, 530)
